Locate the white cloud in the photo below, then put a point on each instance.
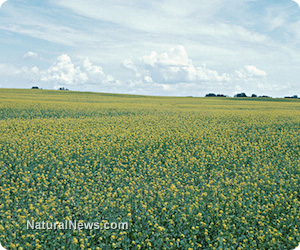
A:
(148, 79)
(2, 2)
(174, 57)
(89, 67)
(262, 35)
(30, 54)
(297, 2)
(191, 18)
(249, 72)
(35, 69)
(252, 70)
(169, 16)
(173, 72)
(173, 66)
(16, 76)
(64, 71)
(129, 64)
(8, 69)
(273, 87)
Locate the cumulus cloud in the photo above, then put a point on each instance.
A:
(89, 67)
(168, 73)
(35, 69)
(249, 72)
(173, 72)
(252, 70)
(30, 54)
(129, 64)
(64, 71)
(2, 2)
(171, 67)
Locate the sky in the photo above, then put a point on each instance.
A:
(158, 47)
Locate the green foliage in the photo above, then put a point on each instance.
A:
(185, 173)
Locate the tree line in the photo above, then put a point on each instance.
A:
(244, 95)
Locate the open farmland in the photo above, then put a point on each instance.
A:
(185, 173)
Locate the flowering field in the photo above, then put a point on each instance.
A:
(185, 173)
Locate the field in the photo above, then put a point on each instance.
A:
(185, 173)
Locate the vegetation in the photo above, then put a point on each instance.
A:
(211, 95)
(240, 95)
(265, 96)
(214, 95)
(185, 173)
(294, 96)
(63, 88)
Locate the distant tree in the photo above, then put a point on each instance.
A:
(210, 95)
(62, 88)
(265, 96)
(221, 95)
(241, 95)
(254, 95)
(35, 87)
(294, 96)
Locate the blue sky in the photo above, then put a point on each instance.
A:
(165, 47)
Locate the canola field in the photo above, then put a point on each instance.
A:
(185, 173)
